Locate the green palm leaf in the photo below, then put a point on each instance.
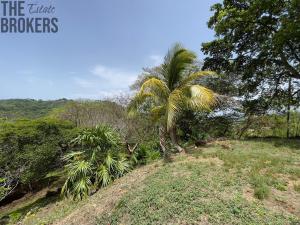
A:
(103, 176)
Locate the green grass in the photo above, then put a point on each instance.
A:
(30, 207)
(190, 191)
(262, 161)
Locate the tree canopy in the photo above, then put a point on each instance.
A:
(258, 43)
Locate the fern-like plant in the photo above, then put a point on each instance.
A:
(99, 161)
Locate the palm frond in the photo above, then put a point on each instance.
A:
(122, 166)
(103, 136)
(157, 112)
(195, 76)
(110, 161)
(103, 176)
(156, 87)
(176, 62)
(201, 98)
(78, 183)
(82, 188)
(73, 155)
(175, 106)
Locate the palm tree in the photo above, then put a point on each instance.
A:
(172, 88)
(99, 162)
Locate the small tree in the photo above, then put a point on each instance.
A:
(168, 90)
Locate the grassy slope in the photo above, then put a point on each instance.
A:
(210, 191)
(213, 185)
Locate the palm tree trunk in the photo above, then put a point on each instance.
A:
(174, 139)
(162, 139)
(288, 119)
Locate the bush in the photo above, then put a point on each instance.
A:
(146, 152)
(29, 149)
(97, 161)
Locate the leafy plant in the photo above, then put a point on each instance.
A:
(97, 164)
(145, 153)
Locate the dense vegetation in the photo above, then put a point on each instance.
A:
(28, 108)
(29, 151)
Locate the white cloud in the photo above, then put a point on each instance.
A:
(114, 76)
(103, 82)
(156, 60)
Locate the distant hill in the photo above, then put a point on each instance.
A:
(28, 108)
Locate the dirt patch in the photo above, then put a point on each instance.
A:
(284, 201)
(107, 198)
(248, 194)
(279, 201)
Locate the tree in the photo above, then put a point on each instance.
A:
(258, 44)
(254, 36)
(166, 91)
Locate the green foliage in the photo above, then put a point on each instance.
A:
(100, 136)
(29, 149)
(194, 126)
(99, 161)
(257, 46)
(15, 217)
(146, 153)
(28, 108)
(273, 125)
(262, 191)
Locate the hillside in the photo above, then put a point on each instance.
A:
(28, 108)
(226, 182)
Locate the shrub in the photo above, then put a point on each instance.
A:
(145, 153)
(96, 164)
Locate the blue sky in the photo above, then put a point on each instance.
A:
(101, 46)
